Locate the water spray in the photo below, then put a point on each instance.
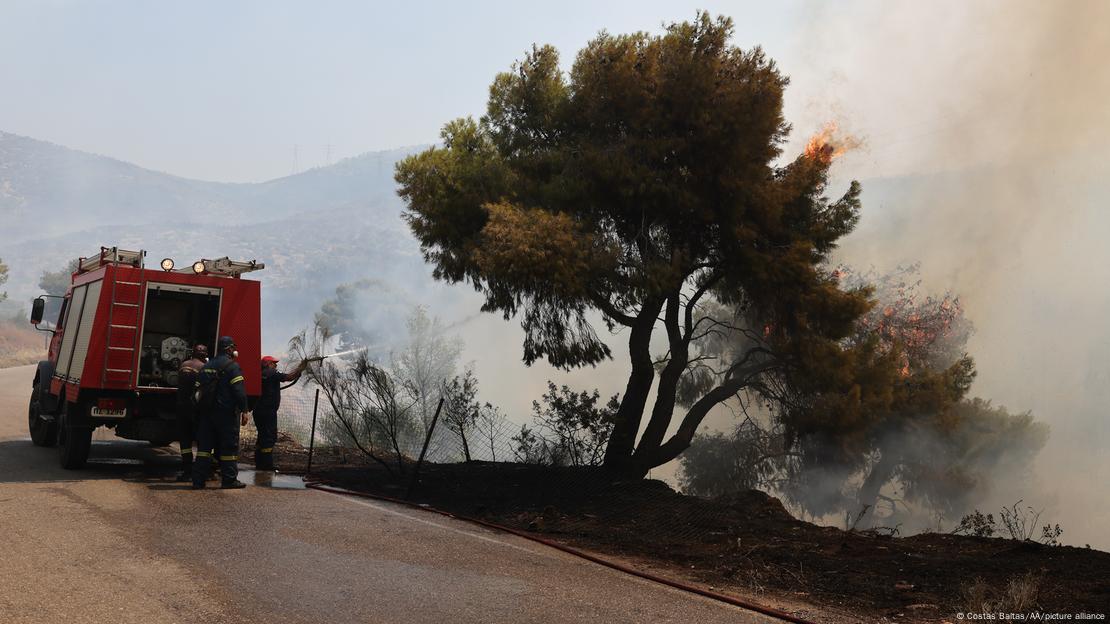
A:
(321, 358)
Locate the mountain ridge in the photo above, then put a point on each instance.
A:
(48, 189)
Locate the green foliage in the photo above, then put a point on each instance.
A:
(3, 278)
(976, 524)
(344, 314)
(643, 181)
(57, 282)
(578, 422)
(572, 428)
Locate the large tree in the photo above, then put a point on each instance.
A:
(639, 187)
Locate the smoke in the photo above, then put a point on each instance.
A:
(986, 131)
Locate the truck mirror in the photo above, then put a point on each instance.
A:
(37, 307)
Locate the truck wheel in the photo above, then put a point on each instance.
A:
(73, 441)
(43, 432)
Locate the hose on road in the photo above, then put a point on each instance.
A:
(326, 486)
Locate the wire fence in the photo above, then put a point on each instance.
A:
(530, 478)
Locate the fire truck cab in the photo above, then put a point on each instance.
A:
(120, 335)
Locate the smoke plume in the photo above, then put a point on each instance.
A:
(986, 130)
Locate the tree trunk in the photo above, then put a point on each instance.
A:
(618, 453)
(466, 447)
(879, 475)
(663, 410)
(681, 439)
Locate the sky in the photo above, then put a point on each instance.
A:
(229, 91)
(997, 109)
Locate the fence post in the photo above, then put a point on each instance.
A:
(420, 462)
(312, 436)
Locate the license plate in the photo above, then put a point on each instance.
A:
(109, 413)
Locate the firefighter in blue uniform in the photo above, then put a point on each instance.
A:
(220, 425)
(265, 411)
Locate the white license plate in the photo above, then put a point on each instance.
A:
(109, 413)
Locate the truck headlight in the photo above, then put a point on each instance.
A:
(167, 264)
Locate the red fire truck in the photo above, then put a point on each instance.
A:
(120, 335)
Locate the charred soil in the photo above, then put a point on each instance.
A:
(748, 544)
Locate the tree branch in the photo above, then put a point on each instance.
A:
(608, 309)
(694, 298)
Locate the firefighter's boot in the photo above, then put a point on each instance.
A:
(201, 467)
(186, 473)
(264, 459)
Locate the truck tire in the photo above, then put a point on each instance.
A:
(73, 441)
(43, 432)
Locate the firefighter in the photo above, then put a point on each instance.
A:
(265, 411)
(186, 418)
(219, 426)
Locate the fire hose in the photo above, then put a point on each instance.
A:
(319, 358)
(323, 485)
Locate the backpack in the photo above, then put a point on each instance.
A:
(205, 396)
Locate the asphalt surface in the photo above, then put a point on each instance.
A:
(121, 542)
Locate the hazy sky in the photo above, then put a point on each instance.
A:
(225, 90)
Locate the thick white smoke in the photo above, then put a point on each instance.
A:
(986, 160)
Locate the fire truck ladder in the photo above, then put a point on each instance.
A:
(122, 339)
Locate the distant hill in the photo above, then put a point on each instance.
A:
(47, 190)
(314, 230)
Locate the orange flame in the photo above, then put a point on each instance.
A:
(830, 143)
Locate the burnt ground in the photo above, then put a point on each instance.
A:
(748, 545)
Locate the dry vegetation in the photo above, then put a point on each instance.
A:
(1018, 595)
(19, 344)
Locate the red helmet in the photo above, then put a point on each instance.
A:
(269, 359)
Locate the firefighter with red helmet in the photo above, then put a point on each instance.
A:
(220, 416)
(265, 411)
(187, 376)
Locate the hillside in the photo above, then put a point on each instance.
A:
(78, 190)
(314, 230)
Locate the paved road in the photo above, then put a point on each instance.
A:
(119, 542)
